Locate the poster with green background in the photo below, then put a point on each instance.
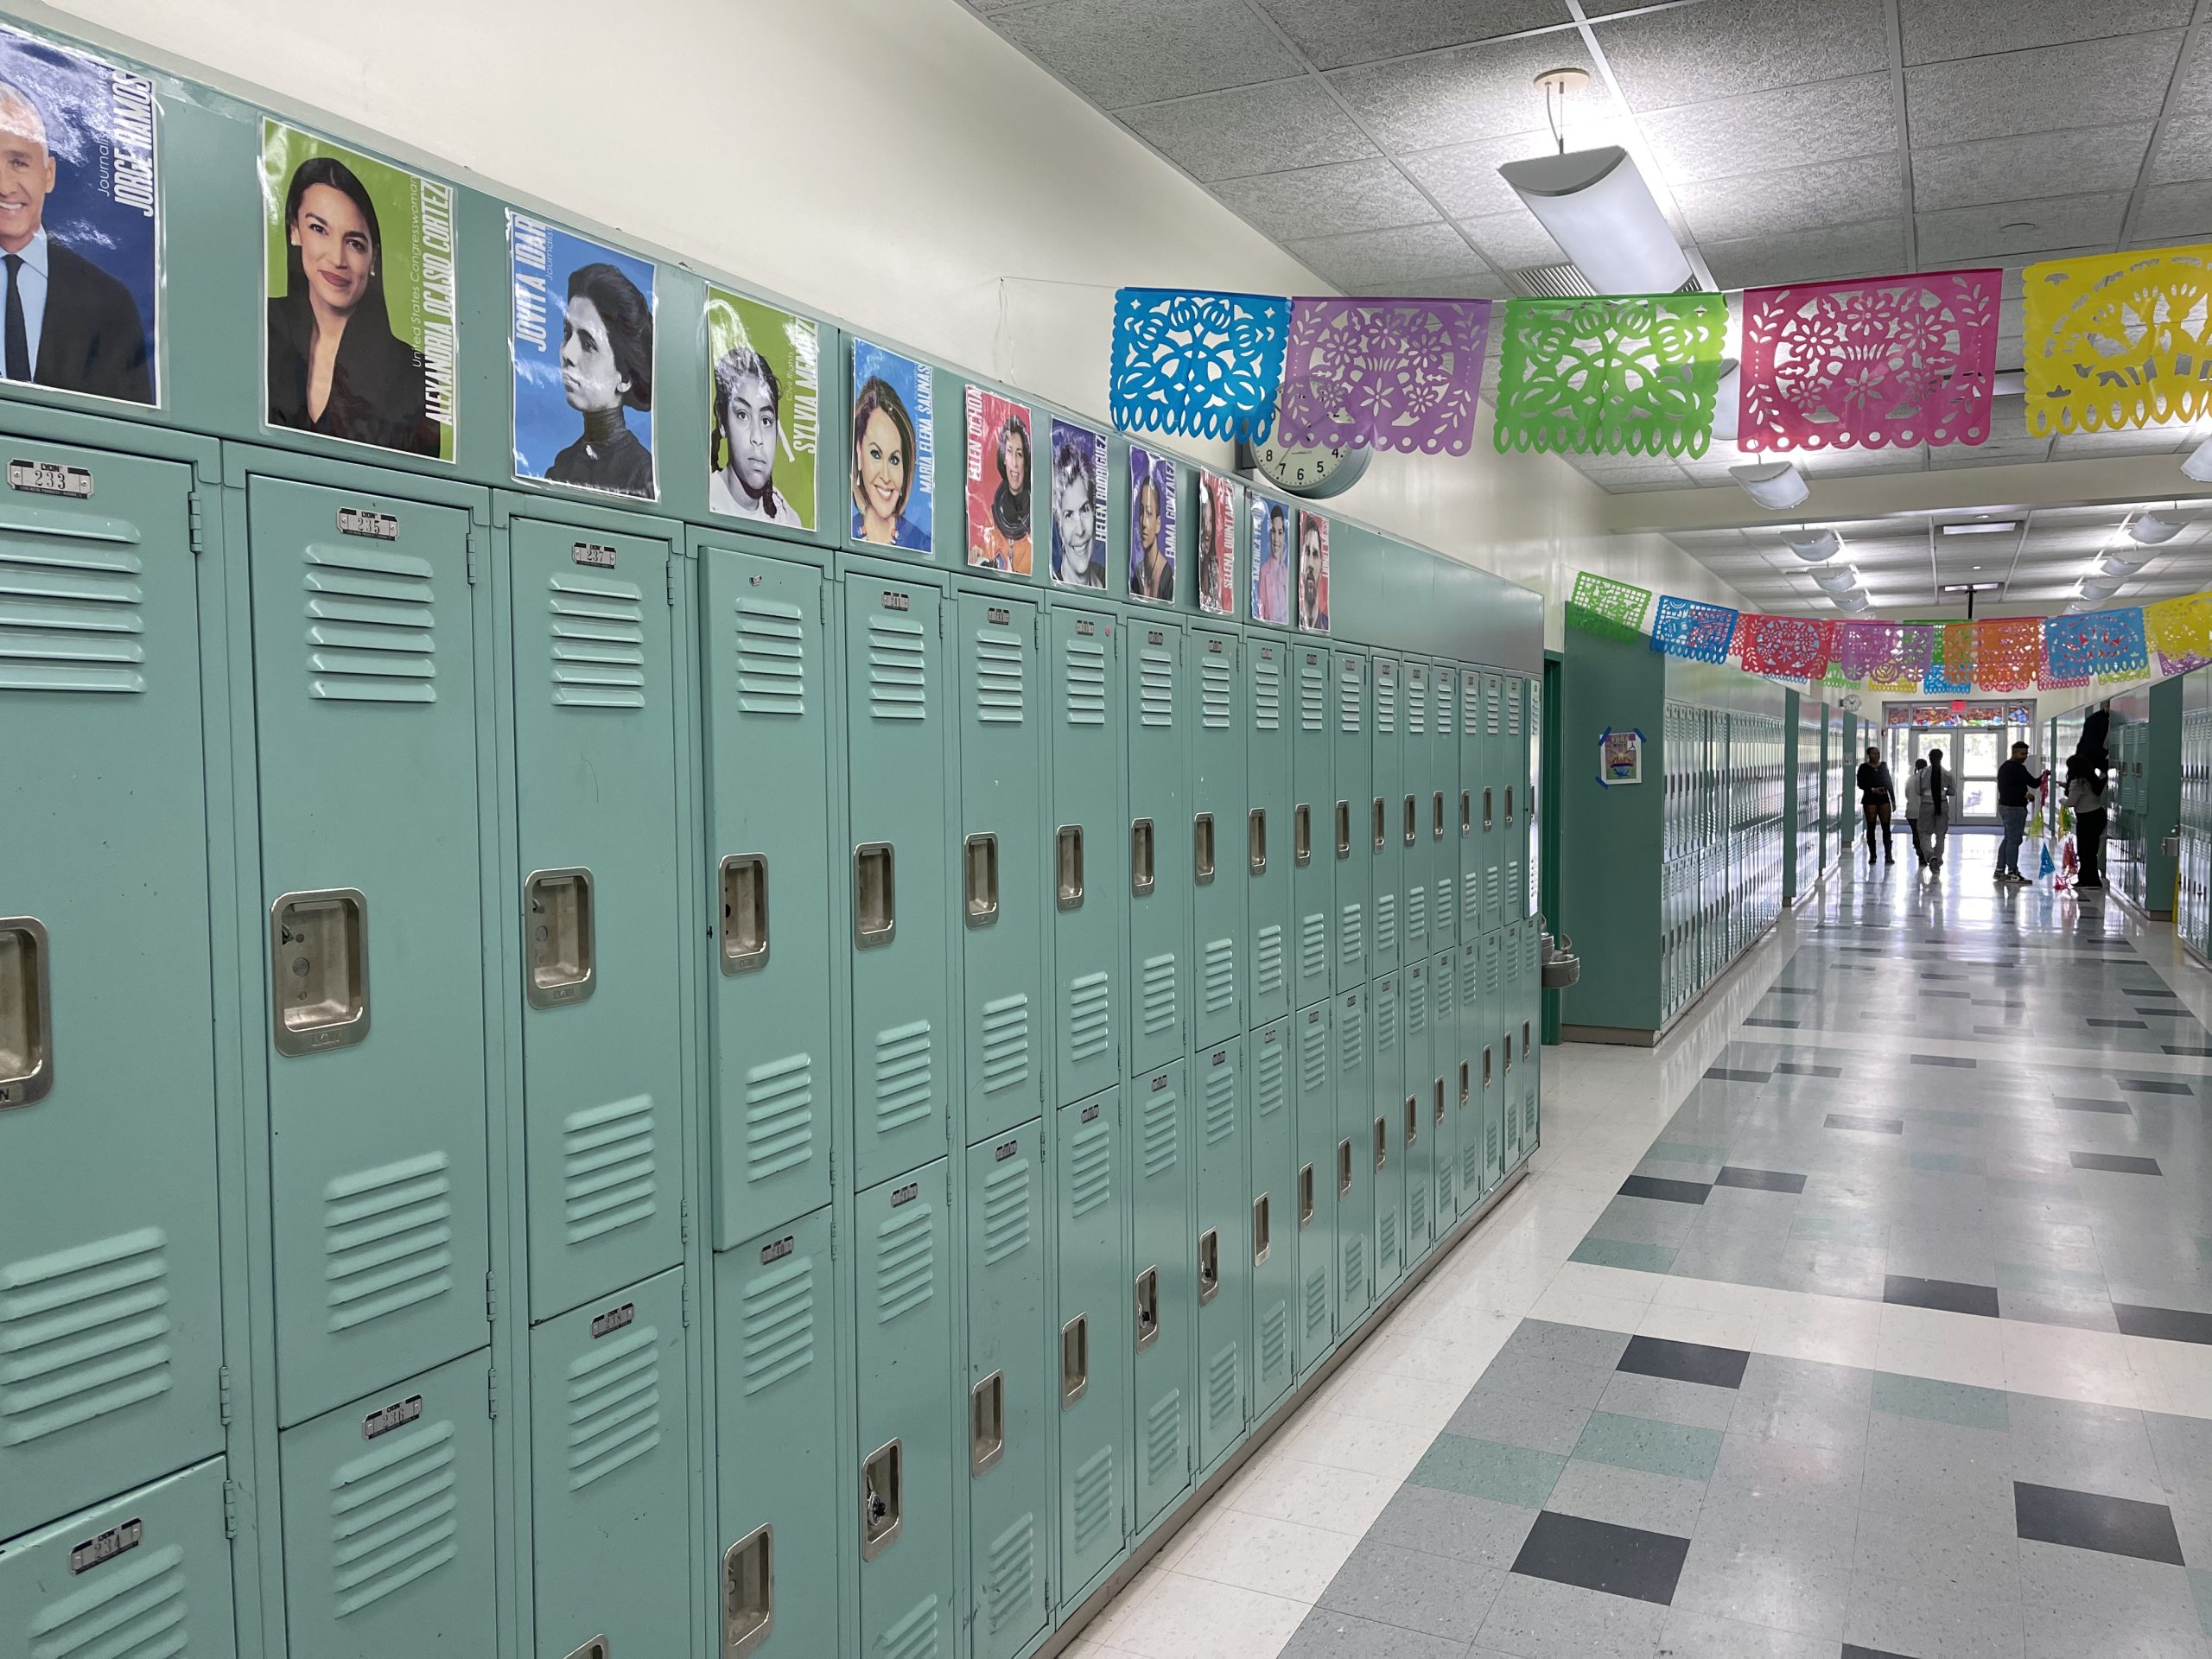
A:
(765, 410)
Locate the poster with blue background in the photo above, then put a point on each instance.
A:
(895, 450)
(582, 339)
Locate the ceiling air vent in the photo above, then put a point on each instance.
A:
(1565, 281)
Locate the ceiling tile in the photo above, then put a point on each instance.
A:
(1796, 199)
(1844, 463)
(1840, 250)
(1376, 261)
(1693, 54)
(2021, 227)
(1771, 130)
(1120, 52)
(2070, 164)
(1936, 29)
(1327, 200)
(1336, 33)
(2004, 449)
(1471, 286)
(2155, 440)
(2178, 213)
(1513, 241)
(2122, 79)
(1463, 177)
(1284, 123)
(2183, 150)
(1476, 92)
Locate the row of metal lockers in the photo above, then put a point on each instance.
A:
(576, 1085)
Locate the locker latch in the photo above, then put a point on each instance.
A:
(1382, 1143)
(26, 1012)
(1142, 876)
(1305, 1197)
(1255, 840)
(1209, 1265)
(1486, 809)
(745, 912)
(319, 970)
(1301, 837)
(1436, 814)
(875, 900)
(1508, 806)
(1413, 1121)
(1262, 1213)
(1075, 1360)
(882, 1498)
(1202, 848)
(1412, 819)
(980, 867)
(986, 1424)
(1463, 1085)
(557, 937)
(1148, 1308)
(1439, 1100)
(1343, 1168)
(748, 1592)
(1344, 828)
(1466, 811)
(594, 1649)
(1067, 866)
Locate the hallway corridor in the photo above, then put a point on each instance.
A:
(1871, 1314)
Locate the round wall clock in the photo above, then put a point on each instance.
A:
(1311, 474)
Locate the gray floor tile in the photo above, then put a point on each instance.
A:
(1803, 1400)
(2116, 1603)
(1514, 1417)
(1929, 1549)
(1630, 1394)
(1628, 1497)
(1392, 1586)
(1759, 1581)
(1503, 1474)
(1479, 1532)
(1572, 1345)
(1752, 1466)
(1701, 1636)
(1917, 1467)
(1938, 1621)
(1327, 1634)
(1534, 1618)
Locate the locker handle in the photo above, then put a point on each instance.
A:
(1305, 1197)
(1439, 1100)
(1486, 1065)
(1463, 1085)
(1508, 806)
(882, 1499)
(1466, 811)
(1382, 825)
(748, 1592)
(745, 912)
(986, 1425)
(1209, 1265)
(1202, 848)
(594, 1649)
(1147, 1308)
(557, 937)
(1255, 840)
(1343, 1168)
(1413, 1121)
(980, 867)
(1263, 1213)
(875, 896)
(1436, 817)
(1382, 1143)
(1067, 844)
(1412, 819)
(1142, 877)
(1075, 1360)
(1301, 837)
(319, 970)
(1486, 809)
(1508, 1054)
(1344, 828)
(26, 1012)
(1524, 1042)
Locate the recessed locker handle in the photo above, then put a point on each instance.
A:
(1075, 1360)
(594, 1649)
(1508, 806)
(1301, 837)
(876, 894)
(1466, 811)
(319, 970)
(1255, 840)
(986, 1424)
(1209, 1265)
(748, 1592)
(1486, 1065)
(1067, 864)
(1486, 809)
(1463, 1084)
(1344, 828)
(26, 1012)
(1439, 1100)
(1142, 878)
(1305, 1197)
(882, 1498)
(745, 912)
(1343, 1168)
(1382, 1143)
(1382, 825)
(1436, 817)
(1148, 1308)
(1202, 846)
(1263, 1213)
(557, 944)
(1413, 1121)
(1412, 819)
(979, 861)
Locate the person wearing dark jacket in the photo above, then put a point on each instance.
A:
(1878, 797)
(2015, 783)
(2085, 793)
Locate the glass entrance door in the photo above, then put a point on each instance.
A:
(1971, 753)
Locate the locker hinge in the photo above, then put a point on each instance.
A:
(198, 524)
(670, 572)
(683, 1222)
(223, 1392)
(491, 1299)
(492, 1393)
(230, 1509)
(687, 1304)
(472, 558)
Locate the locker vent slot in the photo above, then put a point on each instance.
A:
(771, 659)
(1471, 892)
(1386, 1246)
(1313, 696)
(610, 1177)
(1221, 977)
(1006, 1222)
(1417, 910)
(1163, 1438)
(1317, 1302)
(83, 1332)
(778, 1318)
(778, 1116)
(1470, 702)
(897, 668)
(1096, 1509)
(1386, 701)
(1386, 920)
(1267, 697)
(1158, 995)
(1274, 1340)
(1267, 976)
(998, 670)
(613, 1406)
(1470, 1166)
(1386, 1022)
(1222, 1401)
(1214, 692)
(1156, 687)
(1005, 1042)
(904, 1078)
(905, 1263)
(133, 1609)
(914, 1636)
(1513, 712)
(1220, 1104)
(1313, 945)
(1417, 707)
(387, 1237)
(1161, 1133)
(1416, 1007)
(1314, 1058)
(1417, 1209)
(1491, 891)
(1090, 1026)
(69, 615)
(1086, 683)
(1012, 1572)
(392, 1513)
(1092, 1168)
(1270, 1080)
(1351, 1037)
(1444, 701)
(599, 644)
(1355, 932)
(1354, 1268)
(1443, 906)
(1350, 716)
(372, 626)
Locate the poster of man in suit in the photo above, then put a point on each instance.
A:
(80, 222)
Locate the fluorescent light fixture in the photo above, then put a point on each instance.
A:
(1727, 401)
(1841, 580)
(2120, 565)
(1601, 214)
(2100, 588)
(2009, 383)
(2198, 464)
(1814, 545)
(1776, 484)
(1855, 600)
(2149, 530)
(1982, 527)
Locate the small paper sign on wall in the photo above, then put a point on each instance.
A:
(1620, 757)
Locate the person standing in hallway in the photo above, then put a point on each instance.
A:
(1912, 793)
(2085, 793)
(1878, 796)
(2015, 782)
(1933, 785)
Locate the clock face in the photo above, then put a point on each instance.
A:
(1314, 474)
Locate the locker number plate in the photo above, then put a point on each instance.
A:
(94, 1552)
(50, 478)
(360, 521)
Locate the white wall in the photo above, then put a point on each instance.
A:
(891, 163)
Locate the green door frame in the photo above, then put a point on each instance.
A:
(1547, 803)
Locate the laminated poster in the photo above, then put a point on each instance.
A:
(1000, 469)
(1217, 549)
(1078, 488)
(358, 269)
(1152, 525)
(1312, 573)
(765, 410)
(581, 338)
(1274, 546)
(894, 450)
(81, 209)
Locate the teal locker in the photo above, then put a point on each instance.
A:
(1009, 1529)
(766, 653)
(781, 1493)
(1313, 845)
(1355, 1175)
(1495, 1080)
(1476, 1163)
(1415, 770)
(1270, 852)
(1272, 1206)
(1159, 845)
(371, 882)
(597, 907)
(148, 1572)
(1386, 814)
(1442, 1103)
(1353, 763)
(610, 1489)
(1091, 995)
(1444, 820)
(1314, 1186)
(1474, 761)
(1528, 1002)
(1093, 1323)
(895, 757)
(905, 1370)
(1508, 1024)
(1166, 1294)
(1002, 864)
(1417, 1052)
(1491, 784)
(104, 928)
(388, 1521)
(1386, 1137)
(1518, 817)
(1217, 839)
(1223, 1278)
